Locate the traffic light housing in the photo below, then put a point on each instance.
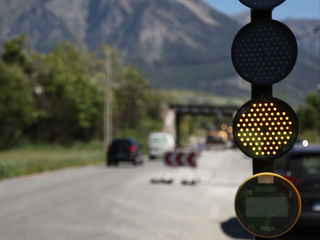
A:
(264, 52)
(265, 128)
(267, 205)
(262, 4)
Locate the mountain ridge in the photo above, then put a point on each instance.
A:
(183, 44)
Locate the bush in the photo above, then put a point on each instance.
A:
(17, 107)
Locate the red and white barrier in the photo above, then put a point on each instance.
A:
(179, 159)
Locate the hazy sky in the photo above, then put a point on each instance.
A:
(290, 8)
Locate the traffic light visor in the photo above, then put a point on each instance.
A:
(265, 128)
(260, 4)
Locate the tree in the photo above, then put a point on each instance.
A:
(131, 98)
(59, 96)
(14, 54)
(136, 109)
(17, 107)
(309, 115)
(71, 101)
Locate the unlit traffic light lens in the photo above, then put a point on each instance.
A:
(260, 4)
(264, 52)
(265, 128)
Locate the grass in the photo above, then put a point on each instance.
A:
(31, 159)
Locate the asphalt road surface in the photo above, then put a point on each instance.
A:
(120, 203)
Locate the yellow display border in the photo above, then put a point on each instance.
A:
(286, 180)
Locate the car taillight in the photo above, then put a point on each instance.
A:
(109, 149)
(293, 179)
(132, 148)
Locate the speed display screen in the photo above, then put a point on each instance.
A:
(272, 207)
(267, 205)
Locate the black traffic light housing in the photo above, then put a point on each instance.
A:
(265, 128)
(262, 4)
(264, 52)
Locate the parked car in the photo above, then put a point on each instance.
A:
(302, 167)
(124, 149)
(159, 143)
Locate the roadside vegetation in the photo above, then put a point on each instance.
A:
(53, 100)
(36, 158)
(309, 118)
(52, 107)
(58, 97)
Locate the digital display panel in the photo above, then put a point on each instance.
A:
(267, 207)
(267, 189)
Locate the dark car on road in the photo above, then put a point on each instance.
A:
(302, 167)
(124, 149)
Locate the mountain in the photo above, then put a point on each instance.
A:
(242, 18)
(306, 74)
(178, 44)
(307, 32)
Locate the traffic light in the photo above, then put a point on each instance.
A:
(263, 53)
(265, 128)
(262, 4)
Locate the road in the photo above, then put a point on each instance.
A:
(120, 203)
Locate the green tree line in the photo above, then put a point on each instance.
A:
(309, 118)
(58, 97)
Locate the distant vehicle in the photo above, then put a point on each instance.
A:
(302, 167)
(217, 137)
(159, 143)
(124, 149)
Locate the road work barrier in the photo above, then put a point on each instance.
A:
(180, 159)
(176, 164)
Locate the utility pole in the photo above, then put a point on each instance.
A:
(107, 126)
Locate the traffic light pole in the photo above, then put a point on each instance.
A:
(259, 166)
(263, 53)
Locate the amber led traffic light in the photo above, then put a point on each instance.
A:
(265, 128)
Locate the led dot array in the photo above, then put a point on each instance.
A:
(264, 129)
(264, 52)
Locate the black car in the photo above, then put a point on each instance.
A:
(124, 149)
(302, 167)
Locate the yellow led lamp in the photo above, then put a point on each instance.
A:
(267, 205)
(265, 128)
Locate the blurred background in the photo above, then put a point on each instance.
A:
(76, 75)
